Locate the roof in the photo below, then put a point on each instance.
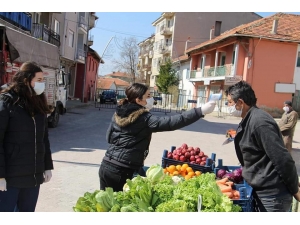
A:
(181, 58)
(288, 30)
(117, 81)
(92, 51)
(104, 83)
(118, 74)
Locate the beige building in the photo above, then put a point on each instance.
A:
(177, 31)
(145, 59)
(69, 31)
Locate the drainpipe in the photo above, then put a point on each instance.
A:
(86, 58)
(216, 62)
(211, 34)
(236, 59)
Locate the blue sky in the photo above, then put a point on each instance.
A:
(123, 25)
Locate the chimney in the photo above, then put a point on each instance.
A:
(275, 25)
(211, 35)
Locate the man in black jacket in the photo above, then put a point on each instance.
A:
(267, 165)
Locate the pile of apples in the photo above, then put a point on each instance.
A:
(192, 155)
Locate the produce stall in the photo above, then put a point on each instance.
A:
(182, 184)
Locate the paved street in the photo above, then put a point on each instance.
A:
(78, 145)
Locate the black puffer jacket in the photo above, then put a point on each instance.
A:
(129, 133)
(24, 146)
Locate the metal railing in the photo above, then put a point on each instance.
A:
(80, 54)
(42, 32)
(82, 22)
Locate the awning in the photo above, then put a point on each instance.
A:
(28, 48)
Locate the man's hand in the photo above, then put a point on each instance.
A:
(297, 196)
(3, 184)
(47, 175)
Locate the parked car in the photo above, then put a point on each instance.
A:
(108, 96)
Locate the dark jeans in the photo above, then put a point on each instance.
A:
(113, 176)
(19, 199)
(275, 203)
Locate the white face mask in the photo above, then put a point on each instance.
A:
(286, 109)
(39, 87)
(233, 111)
(149, 104)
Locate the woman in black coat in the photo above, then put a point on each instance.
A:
(25, 155)
(129, 134)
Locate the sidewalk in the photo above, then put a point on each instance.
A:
(71, 104)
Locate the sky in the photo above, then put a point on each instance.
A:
(122, 25)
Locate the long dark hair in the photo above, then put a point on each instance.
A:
(21, 86)
(134, 91)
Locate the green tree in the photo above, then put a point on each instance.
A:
(166, 77)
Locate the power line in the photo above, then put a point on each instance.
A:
(135, 35)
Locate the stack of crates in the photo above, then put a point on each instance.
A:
(246, 200)
(209, 166)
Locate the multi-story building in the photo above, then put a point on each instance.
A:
(177, 31)
(264, 53)
(70, 29)
(145, 59)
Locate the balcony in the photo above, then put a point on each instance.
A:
(42, 32)
(147, 67)
(92, 20)
(150, 54)
(167, 31)
(218, 72)
(82, 23)
(91, 40)
(80, 55)
(19, 19)
(164, 49)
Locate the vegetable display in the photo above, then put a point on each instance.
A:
(159, 192)
(234, 176)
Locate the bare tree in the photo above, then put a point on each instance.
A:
(128, 59)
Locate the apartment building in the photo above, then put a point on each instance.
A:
(70, 30)
(177, 31)
(145, 59)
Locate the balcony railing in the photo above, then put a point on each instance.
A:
(164, 30)
(82, 22)
(42, 32)
(225, 70)
(164, 49)
(80, 54)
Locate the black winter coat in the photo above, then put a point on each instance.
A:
(24, 145)
(129, 133)
(267, 165)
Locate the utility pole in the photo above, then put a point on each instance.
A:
(96, 78)
(86, 57)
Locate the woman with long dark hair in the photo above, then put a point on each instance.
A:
(25, 155)
(129, 134)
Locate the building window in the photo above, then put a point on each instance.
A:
(298, 60)
(71, 38)
(218, 28)
(56, 26)
(36, 17)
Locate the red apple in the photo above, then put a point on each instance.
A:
(175, 151)
(201, 154)
(203, 163)
(184, 146)
(182, 158)
(198, 161)
(192, 158)
(192, 152)
(190, 149)
(183, 151)
(170, 156)
(187, 155)
(197, 156)
(192, 162)
(203, 159)
(176, 157)
(197, 151)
